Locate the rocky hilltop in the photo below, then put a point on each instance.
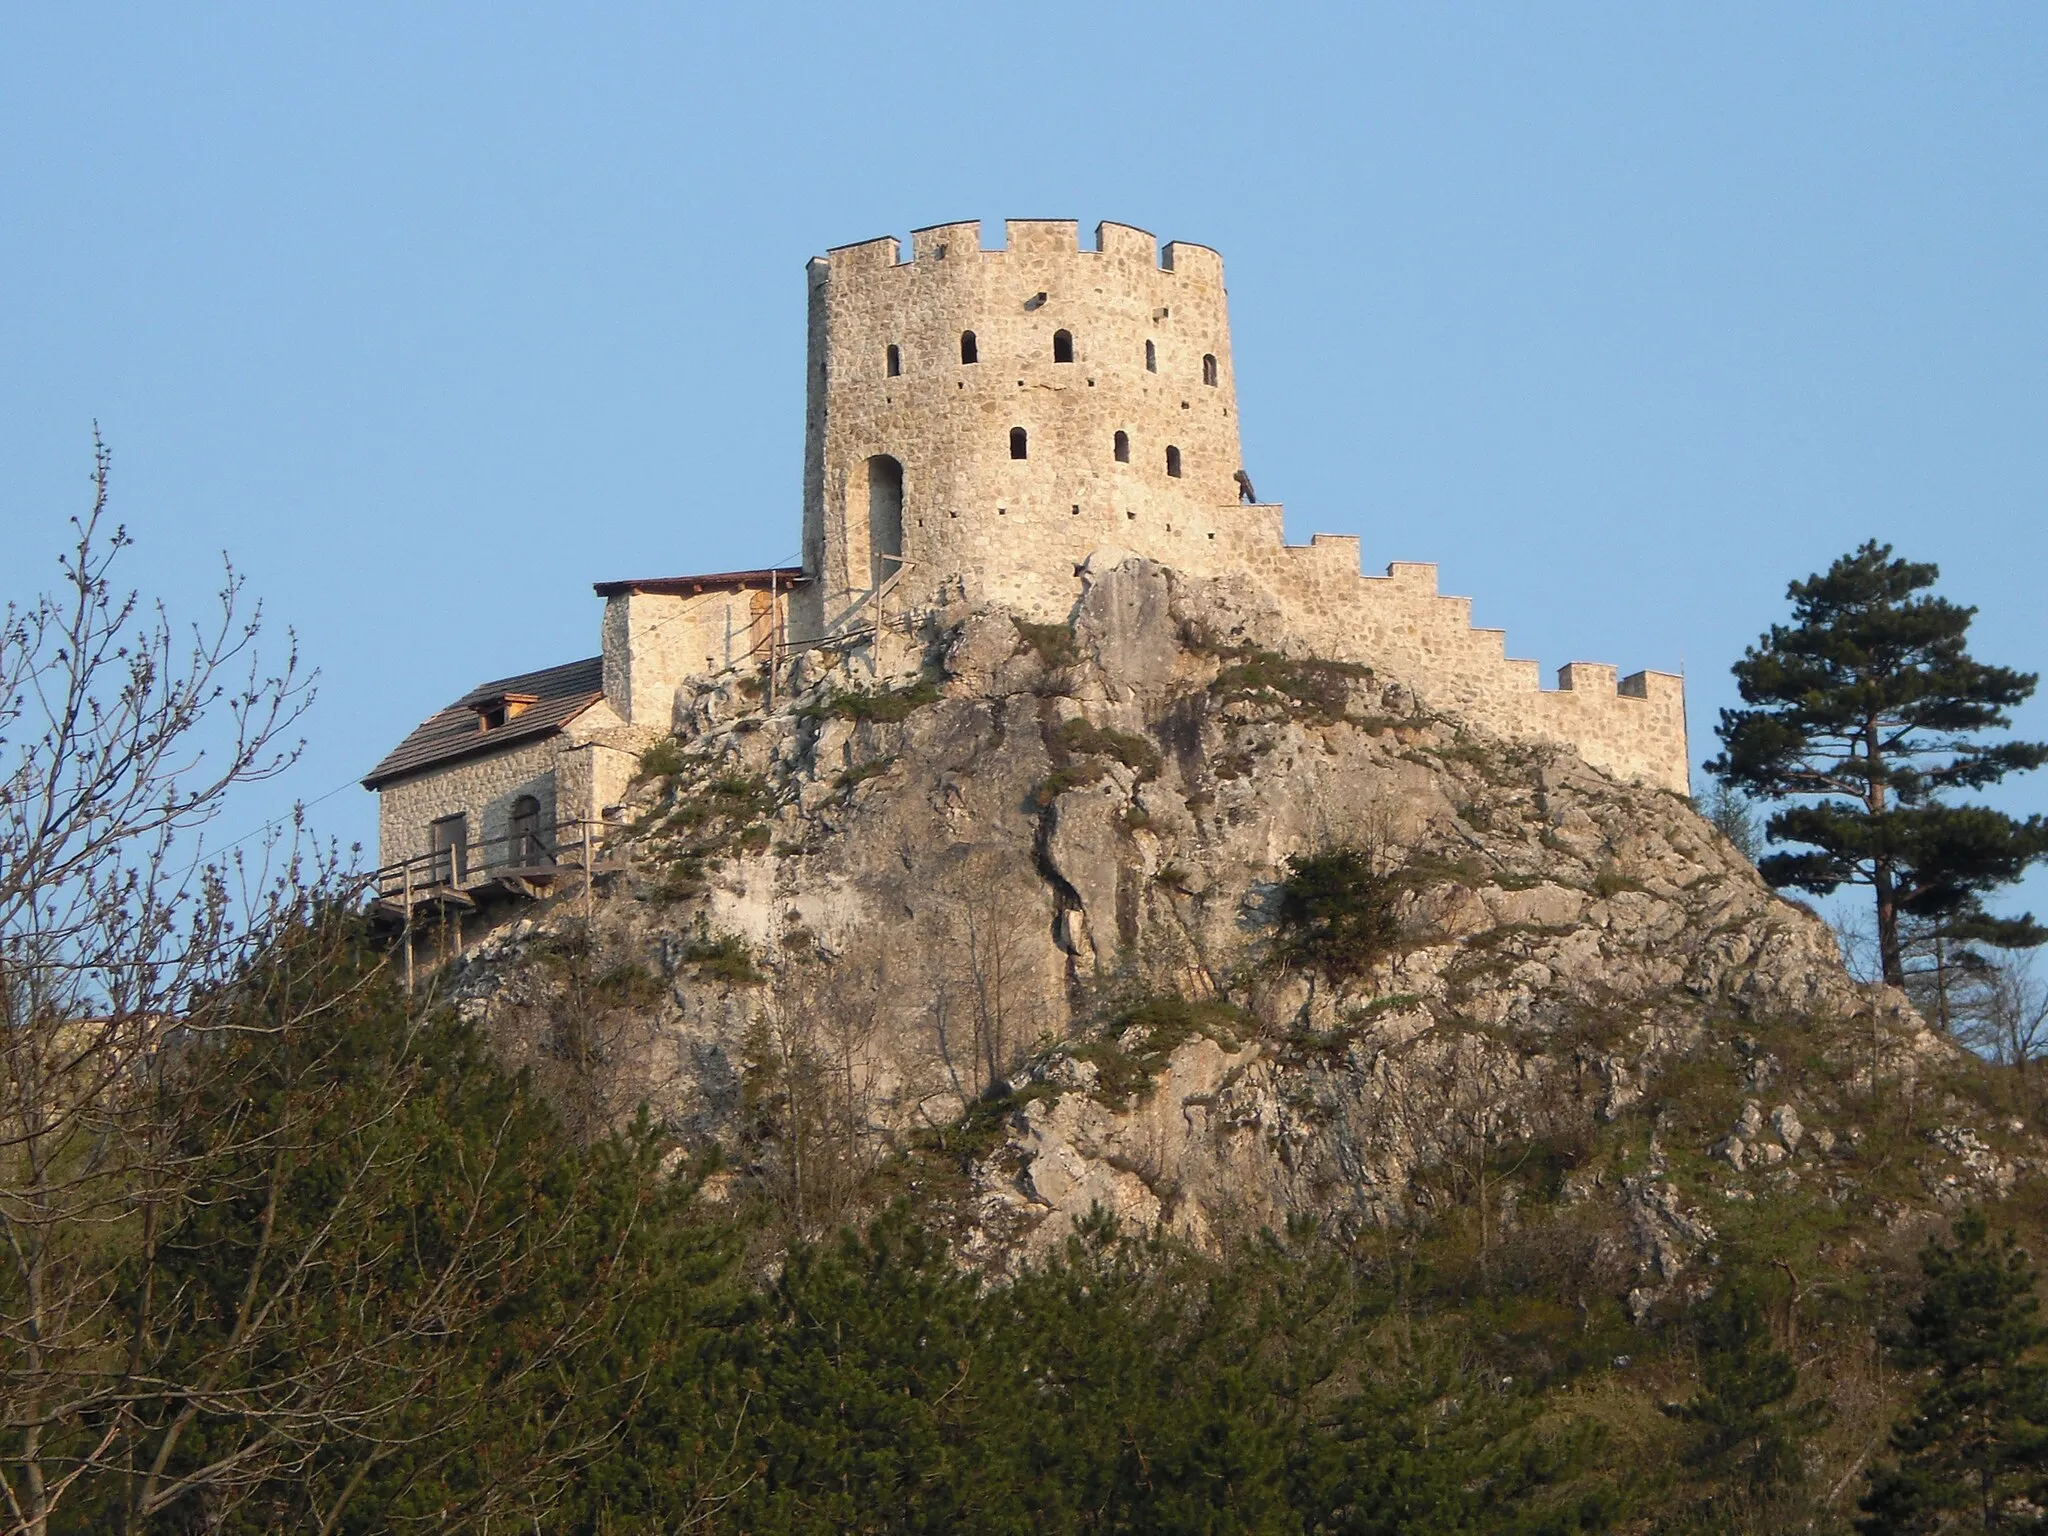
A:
(1151, 911)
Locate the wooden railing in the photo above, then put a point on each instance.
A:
(534, 853)
(431, 893)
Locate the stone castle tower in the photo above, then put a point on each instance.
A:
(985, 419)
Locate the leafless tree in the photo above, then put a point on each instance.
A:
(811, 1070)
(2011, 1023)
(990, 1004)
(193, 1221)
(124, 739)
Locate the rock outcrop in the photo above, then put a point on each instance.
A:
(1034, 890)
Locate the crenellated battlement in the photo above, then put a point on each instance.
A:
(1403, 627)
(1121, 245)
(987, 417)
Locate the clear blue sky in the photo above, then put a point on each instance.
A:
(433, 315)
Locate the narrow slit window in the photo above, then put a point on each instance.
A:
(1063, 346)
(895, 361)
(1173, 462)
(1018, 443)
(1209, 368)
(1151, 358)
(1123, 447)
(968, 353)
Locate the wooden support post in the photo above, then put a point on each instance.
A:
(406, 867)
(589, 895)
(774, 621)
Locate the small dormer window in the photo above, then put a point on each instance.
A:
(497, 710)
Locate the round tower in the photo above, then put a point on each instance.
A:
(981, 421)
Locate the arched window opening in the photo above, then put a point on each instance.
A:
(1123, 447)
(1151, 358)
(895, 361)
(524, 847)
(1209, 368)
(1173, 462)
(1063, 346)
(1018, 443)
(968, 354)
(885, 518)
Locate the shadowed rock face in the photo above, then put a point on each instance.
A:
(958, 888)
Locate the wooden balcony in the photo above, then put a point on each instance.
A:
(524, 865)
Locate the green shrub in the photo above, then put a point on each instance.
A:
(1078, 751)
(724, 957)
(1060, 780)
(727, 815)
(886, 706)
(874, 768)
(1610, 881)
(1141, 1036)
(1337, 913)
(1133, 751)
(1054, 643)
(631, 985)
(663, 760)
(1321, 687)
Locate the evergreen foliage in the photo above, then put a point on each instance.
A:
(1973, 1449)
(1751, 1429)
(407, 1295)
(518, 1325)
(1868, 709)
(1337, 913)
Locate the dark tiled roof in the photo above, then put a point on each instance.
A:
(560, 694)
(687, 586)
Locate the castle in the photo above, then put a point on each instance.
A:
(980, 424)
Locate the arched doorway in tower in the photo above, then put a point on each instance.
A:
(885, 517)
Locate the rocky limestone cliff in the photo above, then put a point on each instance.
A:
(1015, 914)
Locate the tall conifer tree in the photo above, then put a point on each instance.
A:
(1867, 710)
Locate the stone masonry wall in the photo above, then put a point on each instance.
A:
(653, 641)
(482, 788)
(974, 517)
(1633, 727)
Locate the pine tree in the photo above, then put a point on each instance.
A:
(1750, 1429)
(1976, 1440)
(1868, 709)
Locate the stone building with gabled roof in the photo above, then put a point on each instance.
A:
(490, 784)
(509, 787)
